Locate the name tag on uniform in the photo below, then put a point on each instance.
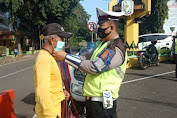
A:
(107, 100)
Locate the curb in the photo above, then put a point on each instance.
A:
(12, 59)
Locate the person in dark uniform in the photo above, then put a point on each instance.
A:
(153, 51)
(174, 47)
(105, 67)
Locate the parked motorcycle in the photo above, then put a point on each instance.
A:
(148, 56)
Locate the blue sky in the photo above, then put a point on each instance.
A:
(91, 5)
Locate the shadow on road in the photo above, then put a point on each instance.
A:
(139, 74)
(19, 116)
(167, 104)
(153, 65)
(168, 62)
(29, 99)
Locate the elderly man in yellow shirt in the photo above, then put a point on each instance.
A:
(47, 78)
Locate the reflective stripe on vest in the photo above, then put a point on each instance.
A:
(175, 45)
(120, 72)
(94, 85)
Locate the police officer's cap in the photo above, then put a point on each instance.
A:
(103, 16)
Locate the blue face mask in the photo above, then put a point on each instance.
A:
(60, 45)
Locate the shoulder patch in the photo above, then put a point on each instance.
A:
(102, 62)
(106, 53)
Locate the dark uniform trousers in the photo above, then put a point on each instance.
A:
(95, 109)
(176, 64)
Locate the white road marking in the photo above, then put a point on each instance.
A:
(122, 82)
(147, 77)
(16, 72)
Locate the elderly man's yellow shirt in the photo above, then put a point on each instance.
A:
(48, 86)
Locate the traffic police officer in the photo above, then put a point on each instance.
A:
(175, 51)
(105, 67)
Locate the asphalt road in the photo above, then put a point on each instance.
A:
(150, 93)
(19, 76)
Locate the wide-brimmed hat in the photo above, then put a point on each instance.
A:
(55, 29)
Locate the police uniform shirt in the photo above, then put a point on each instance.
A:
(116, 59)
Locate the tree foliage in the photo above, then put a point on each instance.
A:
(39, 12)
(36, 13)
(77, 24)
(154, 23)
(121, 24)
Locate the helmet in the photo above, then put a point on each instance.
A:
(154, 42)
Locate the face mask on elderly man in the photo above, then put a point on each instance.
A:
(60, 45)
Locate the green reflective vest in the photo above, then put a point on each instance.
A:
(95, 84)
(175, 45)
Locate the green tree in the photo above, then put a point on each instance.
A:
(154, 23)
(12, 7)
(121, 24)
(76, 23)
(37, 13)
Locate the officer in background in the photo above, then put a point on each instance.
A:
(175, 51)
(105, 67)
